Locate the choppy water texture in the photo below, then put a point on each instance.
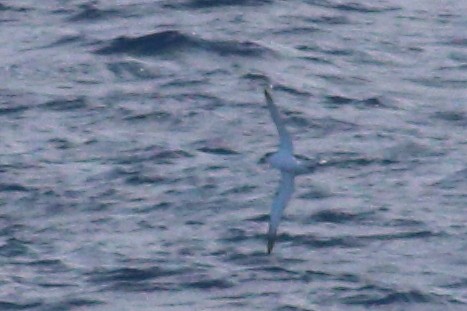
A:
(130, 135)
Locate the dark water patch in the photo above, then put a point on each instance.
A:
(9, 228)
(49, 265)
(128, 274)
(254, 257)
(453, 181)
(257, 77)
(167, 156)
(357, 162)
(459, 57)
(373, 102)
(328, 125)
(205, 101)
(7, 305)
(171, 41)
(330, 20)
(194, 223)
(14, 248)
(347, 277)
(63, 41)
(4, 7)
(218, 151)
(160, 116)
(315, 193)
(67, 40)
(288, 307)
(322, 126)
(337, 216)
(151, 44)
(12, 108)
(61, 143)
(278, 273)
(204, 282)
(290, 90)
(296, 30)
(313, 242)
(164, 205)
(136, 176)
(461, 283)
(139, 178)
(215, 146)
(315, 275)
(155, 154)
(12, 103)
(458, 118)
(372, 296)
(238, 235)
(336, 52)
(276, 270)
(319, 58)
(66, 104)
(140, 287)
(192, 83)
(404, 222)
(13, 188)
(202, 4)
(422, 234)
(53, 285)
(363, 8)
(261, 218)
(132, 279)
(337, 101)
(439, 82)
(344, 80)
(351, 160)
(90, 12)
(459, 67)
(408, 152)
(74, 303)
(236, 48)
(215, 168)
(239, 190)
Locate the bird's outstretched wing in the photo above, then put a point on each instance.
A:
(285, 141)
(285, 190)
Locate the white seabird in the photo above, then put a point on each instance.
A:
(287, 164)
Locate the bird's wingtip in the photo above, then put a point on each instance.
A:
(271, 240)
(270, 246)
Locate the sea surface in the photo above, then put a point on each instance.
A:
(131, 134)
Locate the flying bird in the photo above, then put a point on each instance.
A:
(287, 164)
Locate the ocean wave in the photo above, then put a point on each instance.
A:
(203, 4)
(373, 296)
(89, 12)
(175, 41)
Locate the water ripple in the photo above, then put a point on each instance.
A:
(172, 41)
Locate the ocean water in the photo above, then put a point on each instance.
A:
(131, 133)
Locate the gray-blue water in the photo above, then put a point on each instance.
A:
(131, 133)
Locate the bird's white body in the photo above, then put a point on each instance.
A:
(287, 164)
